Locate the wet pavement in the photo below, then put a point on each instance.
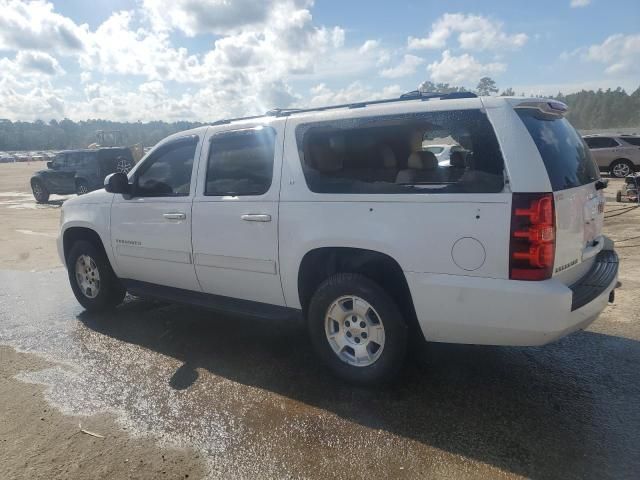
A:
(252, 398)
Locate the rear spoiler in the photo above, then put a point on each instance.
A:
(548, 107)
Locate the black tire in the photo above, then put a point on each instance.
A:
(82, 187)
(618, 163)
(618, 196)
(110, 291)
(40, 191)
(394, 352)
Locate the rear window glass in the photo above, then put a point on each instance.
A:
(564, 153)
(435, 150)
(632, 140)
(391, 154)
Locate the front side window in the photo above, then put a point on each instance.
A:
(601, 142)
(241, 162)
(167, 172)
(395, 154)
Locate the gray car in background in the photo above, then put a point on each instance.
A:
(617, 154)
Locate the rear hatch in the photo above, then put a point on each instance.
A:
(579, 206)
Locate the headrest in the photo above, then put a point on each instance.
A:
(388, 158)
(456, 159)
(422, 161)
(325, 159)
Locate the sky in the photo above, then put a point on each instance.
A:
(143, 60)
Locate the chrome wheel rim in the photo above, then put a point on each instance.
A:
(621, 170)
(123, 166)
(37, 190)
(87, 276)
(354, 331)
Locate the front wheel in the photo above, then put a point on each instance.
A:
(621, 168)
(40, 192)
(92, 279)
(357, 329)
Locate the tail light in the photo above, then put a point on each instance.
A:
(533, 236)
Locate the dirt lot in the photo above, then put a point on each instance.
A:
(27, 230)
(177, 394)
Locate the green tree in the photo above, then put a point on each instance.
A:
(486, 86)
(509, 92)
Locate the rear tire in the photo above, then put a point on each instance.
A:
(363, 339)
(621, 168)
(94, 284)
(618, 196)
(40, 192)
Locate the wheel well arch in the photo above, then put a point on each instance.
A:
(73, 234)
(621, 159)
(320, 263)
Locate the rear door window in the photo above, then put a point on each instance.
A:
(632, 140)
(564, 153)
(241, 162)
(391, 154)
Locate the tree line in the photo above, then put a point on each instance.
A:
(588, 109)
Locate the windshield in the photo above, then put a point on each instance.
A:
(564, 153)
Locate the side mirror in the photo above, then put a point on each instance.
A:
(117, 183)
(49, 164)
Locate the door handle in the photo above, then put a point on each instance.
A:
(174, 216)
(256, 217)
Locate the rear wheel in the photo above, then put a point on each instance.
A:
(92, 279)
(357, 329)
(40, 192)
(618, 196)
(621, 168)
(82, 187)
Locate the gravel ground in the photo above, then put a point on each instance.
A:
(177, 391)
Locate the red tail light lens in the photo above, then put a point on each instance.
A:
(533, 236)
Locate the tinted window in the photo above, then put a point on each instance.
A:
(565, 155)
(167, 172)
(391, 154)
(632, 140)
(601, 142)
(241, 162)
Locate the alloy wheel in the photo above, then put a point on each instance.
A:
(354, 331)
(87, 276)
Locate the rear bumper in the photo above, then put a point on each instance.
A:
(458, 309)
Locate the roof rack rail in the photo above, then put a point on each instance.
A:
(413, 95)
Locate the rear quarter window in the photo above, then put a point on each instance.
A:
(565, 155)
(391, 154)
(632, 140)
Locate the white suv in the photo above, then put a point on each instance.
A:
(337, 215)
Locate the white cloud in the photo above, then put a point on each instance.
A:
(35, 26)
(579, 3)
(474, 32)
(218, 17)
(620, 53)
(38, 62)
(355, 92)
(405, 68)
(461, 70)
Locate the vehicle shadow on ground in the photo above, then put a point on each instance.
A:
(567, 410)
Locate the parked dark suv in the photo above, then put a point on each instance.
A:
(79, 171)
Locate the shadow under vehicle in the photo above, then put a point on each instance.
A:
(79, 171)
